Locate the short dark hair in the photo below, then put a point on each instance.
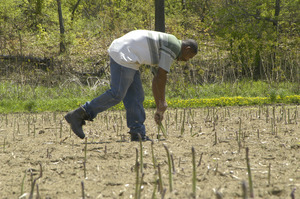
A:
(192, 43)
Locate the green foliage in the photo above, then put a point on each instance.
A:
(256, 36)
(244, 88)
(29, 105)
(245, 47)
(272, 95)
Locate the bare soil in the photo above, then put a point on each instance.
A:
(40, 149)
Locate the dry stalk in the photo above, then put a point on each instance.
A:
(269, 175)
(84, 170)
(28, 126)
(154, 190)
(37, 192)
(267, 115)
(293, 193)
(137, 184)
(296, 115)
(240, 129)
(85, 158)
(216, 138)
(82, 190)
(173, 166)
(194, 172)
(153, 157)
(160, 182)
(105, 150)
(249, 173)
(170, 167)
(85, 149)
(34, 181)
(141, 153)
(199, 163)
(245, 190)
(289, 117)
(176, 116)
(60, 129)
(6, 120)
(141, 185)
(22, 184)
(182, 126)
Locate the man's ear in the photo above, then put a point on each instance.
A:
(188, 47)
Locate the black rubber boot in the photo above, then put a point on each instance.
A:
(76, 119)
(135, 137)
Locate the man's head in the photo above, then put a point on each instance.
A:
(189, 49)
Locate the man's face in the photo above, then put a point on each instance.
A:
(186, 54)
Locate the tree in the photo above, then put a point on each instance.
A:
(62, 46)
(160, 15)
(256, 36)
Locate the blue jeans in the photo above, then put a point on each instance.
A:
(126, 86)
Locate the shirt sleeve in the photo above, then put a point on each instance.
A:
(165, 61)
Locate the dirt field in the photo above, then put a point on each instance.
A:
(42, 145)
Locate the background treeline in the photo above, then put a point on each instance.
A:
(238, 39)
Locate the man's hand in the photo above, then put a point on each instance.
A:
(158, 117)
(159, 114)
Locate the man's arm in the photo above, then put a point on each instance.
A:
(158, 89)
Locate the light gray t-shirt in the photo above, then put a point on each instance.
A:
(145, 47)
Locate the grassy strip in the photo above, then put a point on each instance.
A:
(64, 104)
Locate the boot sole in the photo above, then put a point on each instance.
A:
(135, 138)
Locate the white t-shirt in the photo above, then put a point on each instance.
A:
(145, 47)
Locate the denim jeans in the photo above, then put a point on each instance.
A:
(126, 86)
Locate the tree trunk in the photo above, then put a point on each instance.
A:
(277, 11)
(62, 46)
(160, 15)
(275, 23)
(159, 23)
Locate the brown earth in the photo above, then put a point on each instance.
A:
(42, 144)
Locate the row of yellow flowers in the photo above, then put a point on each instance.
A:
(222, 101)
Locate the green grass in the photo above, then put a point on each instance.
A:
(244, 88)
(26, 98)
